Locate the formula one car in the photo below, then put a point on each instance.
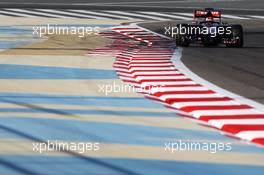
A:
(208, 29)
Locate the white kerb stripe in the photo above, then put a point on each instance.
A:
(159, 77)
(164, 97)
(169, 89)
(121, 66)
(152, 68)
(221, 123)
(250, 135)
(157, 52)
(160, 83)
(157, 72)
(121, 62)
(120, 69)
(125, 74)
(199, 113)
(150, 61)
(126, 78)
(151, 58)
(144, 84)
(209, 103)
(160, 64)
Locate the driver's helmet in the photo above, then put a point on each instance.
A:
(209, 19)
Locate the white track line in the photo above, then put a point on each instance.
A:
(38, 13)
(21, 14)
(137, 15)
(185, 14)
(64, 13)
(119, 13)
(165, 15)
(234, 17)
(91, 14)
(257, 17)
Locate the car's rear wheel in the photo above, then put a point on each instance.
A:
(236, 36)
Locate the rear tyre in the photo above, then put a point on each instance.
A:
(237, 36)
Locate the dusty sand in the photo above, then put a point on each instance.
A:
(57, 44)
(61, 45)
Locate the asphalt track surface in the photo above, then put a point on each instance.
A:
(239, 70)
(239, 74)
(42, 100)
(229, 6)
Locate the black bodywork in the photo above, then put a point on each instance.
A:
(209, 32)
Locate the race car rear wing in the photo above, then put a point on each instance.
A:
(207, 13)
